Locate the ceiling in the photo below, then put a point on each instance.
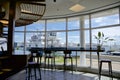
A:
(60, 8)
(33, 10)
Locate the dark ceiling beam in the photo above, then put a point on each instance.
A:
(23, 24)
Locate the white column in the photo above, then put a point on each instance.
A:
(82, 42)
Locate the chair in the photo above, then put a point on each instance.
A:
(67, 54)
(109, 66)
(49, 56)
(34, 65)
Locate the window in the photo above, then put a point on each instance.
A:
(109, 45)
(21, 28)
(36, 26)
(56, 24)
(19, 42)
(105, 18)
(73, 23)
(57, 39)
(73, 39)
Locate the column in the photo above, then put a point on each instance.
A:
(82, 42)
(11, 25)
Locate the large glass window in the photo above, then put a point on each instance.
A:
(35, 39)
(21, 28)
(86, 21)
(73, 39)
(56, 24)
(105, 18)
(112, 49)
(73, 23)
(56, 39)
(36, 26)
(19, 43)
(107, 33)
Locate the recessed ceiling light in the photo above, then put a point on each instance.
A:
(76, 8)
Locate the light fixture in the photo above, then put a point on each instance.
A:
(76, 8)
(5, 22)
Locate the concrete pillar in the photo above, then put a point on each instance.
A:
(82, 42)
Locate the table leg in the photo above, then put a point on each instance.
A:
(76, 61)
(98, 64)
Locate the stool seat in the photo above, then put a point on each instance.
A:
(105, 60)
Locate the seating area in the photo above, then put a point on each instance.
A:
(35, 68)
(59, 39)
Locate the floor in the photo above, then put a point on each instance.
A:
(60, 75)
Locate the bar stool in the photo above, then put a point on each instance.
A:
(32, 65)
(67, 54)
(109, 66)
(39, 57)
(49, 56)
(35, 66)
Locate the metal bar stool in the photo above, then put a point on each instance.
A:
(67, 54)
(109, 66)
(32, 65)
(49, 56)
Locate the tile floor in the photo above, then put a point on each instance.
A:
(60, 75)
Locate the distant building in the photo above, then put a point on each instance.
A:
(38, 40)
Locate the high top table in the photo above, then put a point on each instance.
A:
(32, 49)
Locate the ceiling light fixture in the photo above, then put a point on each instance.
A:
(76, 8)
